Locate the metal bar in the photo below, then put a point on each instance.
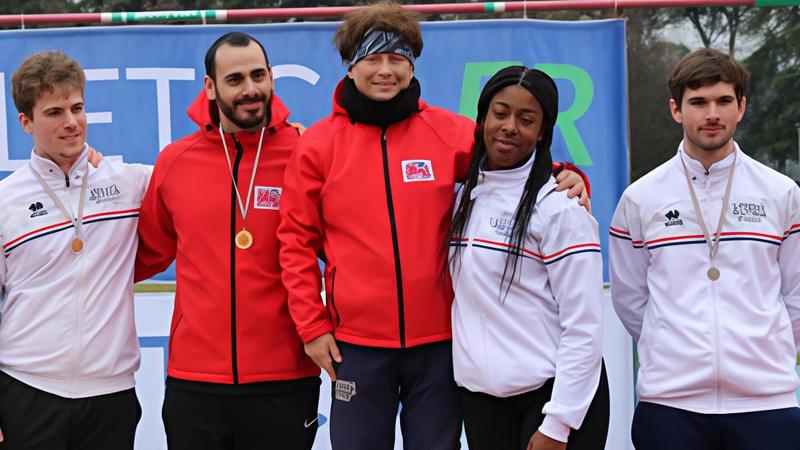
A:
(444, 8)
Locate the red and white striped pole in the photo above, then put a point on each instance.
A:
(232, 15)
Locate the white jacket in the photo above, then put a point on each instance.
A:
(550, 324)
(66, 320)
(724, 346)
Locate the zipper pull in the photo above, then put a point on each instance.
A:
(66, 179)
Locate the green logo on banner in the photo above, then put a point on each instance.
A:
(584, 93)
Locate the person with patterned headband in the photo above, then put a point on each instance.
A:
(370, 190)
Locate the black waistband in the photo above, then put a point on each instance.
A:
(259, 388)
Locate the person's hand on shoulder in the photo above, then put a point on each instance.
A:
(299, 127)
(569, 179)
(94, 157)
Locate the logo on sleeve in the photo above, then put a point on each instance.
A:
(673, 218)
(417, 170)
(268, 197)
(37, 209)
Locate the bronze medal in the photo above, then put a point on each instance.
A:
(243, 239)
(713, 274)
(77, 245)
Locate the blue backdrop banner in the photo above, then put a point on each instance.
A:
(141, 79)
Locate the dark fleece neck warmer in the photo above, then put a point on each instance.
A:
(365, 110)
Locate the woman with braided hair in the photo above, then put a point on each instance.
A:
(527, 275)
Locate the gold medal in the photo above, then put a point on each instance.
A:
(77, 245)
(713, 274)
(243, 239)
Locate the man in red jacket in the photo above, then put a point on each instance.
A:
(237, 375)
(371, 188)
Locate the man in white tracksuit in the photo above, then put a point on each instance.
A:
(68, 346)
(705, 275)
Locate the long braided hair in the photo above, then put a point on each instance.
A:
(543, 88)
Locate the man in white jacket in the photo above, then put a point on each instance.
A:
(68, 346)
(705, 276)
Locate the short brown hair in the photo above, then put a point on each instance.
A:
(703, 67)
(384, 15)
(44, 72)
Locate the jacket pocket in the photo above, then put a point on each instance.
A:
(172, 333)
(330, 297)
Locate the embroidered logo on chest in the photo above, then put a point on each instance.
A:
(37, 209)
(104, 194)
(417, 170)
(673, 218)
(268, 197)
(502, 225)
(749, 212)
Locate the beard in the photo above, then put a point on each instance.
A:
(710, 144)
(245, 120)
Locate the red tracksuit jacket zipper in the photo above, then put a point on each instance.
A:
(395, 244)
(234, 213)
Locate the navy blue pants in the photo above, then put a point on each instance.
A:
(371, 384)
(659, 427)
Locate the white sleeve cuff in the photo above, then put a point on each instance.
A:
(554, 429)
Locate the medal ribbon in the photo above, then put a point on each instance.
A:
(76, 221)
(713, 244)
(242, 207)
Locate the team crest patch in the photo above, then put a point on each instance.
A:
(268, 197)
(344, 390)
(417, 170)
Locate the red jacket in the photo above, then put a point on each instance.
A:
(231, 324)
(378, 210)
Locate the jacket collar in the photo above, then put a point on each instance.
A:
(205, 114)
(509, 179)
(716, 173)
(50, 170)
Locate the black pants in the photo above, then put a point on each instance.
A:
(659, 427)
(372, 382)
(494, 423)
(275, 421)
(32, 419)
